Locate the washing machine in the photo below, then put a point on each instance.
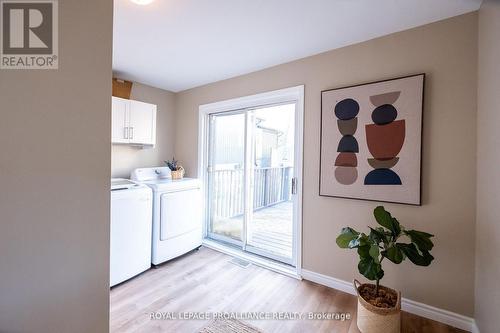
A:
(131, 229)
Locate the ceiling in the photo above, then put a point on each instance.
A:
(180, 44)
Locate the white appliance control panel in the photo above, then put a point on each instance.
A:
(145, 174)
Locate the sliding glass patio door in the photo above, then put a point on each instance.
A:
(270, 224)
(226, 177)
(251, 180)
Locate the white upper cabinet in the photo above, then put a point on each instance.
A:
(133, 122)
(119, 120)
(142, 123)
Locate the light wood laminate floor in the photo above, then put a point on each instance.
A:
(206, 281)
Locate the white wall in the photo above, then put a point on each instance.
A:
(54, 181)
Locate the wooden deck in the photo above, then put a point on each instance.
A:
(271, 229)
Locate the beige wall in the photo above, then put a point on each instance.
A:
(126, 158)
(447, 52)
(488, 177)
(54, 176)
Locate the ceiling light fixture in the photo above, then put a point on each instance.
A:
(142, 2)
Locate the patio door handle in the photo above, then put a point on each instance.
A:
(294, 185)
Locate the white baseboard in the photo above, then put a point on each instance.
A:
(423, 310)
(475, 329)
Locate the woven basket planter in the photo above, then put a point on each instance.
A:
(178, 174)
(372, 319)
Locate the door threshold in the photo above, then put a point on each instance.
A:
(254, 259)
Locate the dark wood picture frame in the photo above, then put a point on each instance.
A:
(419, 203)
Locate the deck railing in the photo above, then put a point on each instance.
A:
(271, 186)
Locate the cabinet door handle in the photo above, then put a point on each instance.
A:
(125, 132)
(131, 132)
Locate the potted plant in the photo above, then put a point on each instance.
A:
(379, 307)
(176, 170)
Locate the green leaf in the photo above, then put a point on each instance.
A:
(422, 258)
(361, 240)
(364, 251)
(394, 254)
(374, 252)
(378, 236)
(421, 239)
(385, 219)
(370, 269)
(396, 230)
(345, 237)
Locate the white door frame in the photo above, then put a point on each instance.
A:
(287, 95)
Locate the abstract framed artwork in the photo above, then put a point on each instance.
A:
(371, 141)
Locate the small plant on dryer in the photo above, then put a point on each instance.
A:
(382, 242)
(173, 165)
